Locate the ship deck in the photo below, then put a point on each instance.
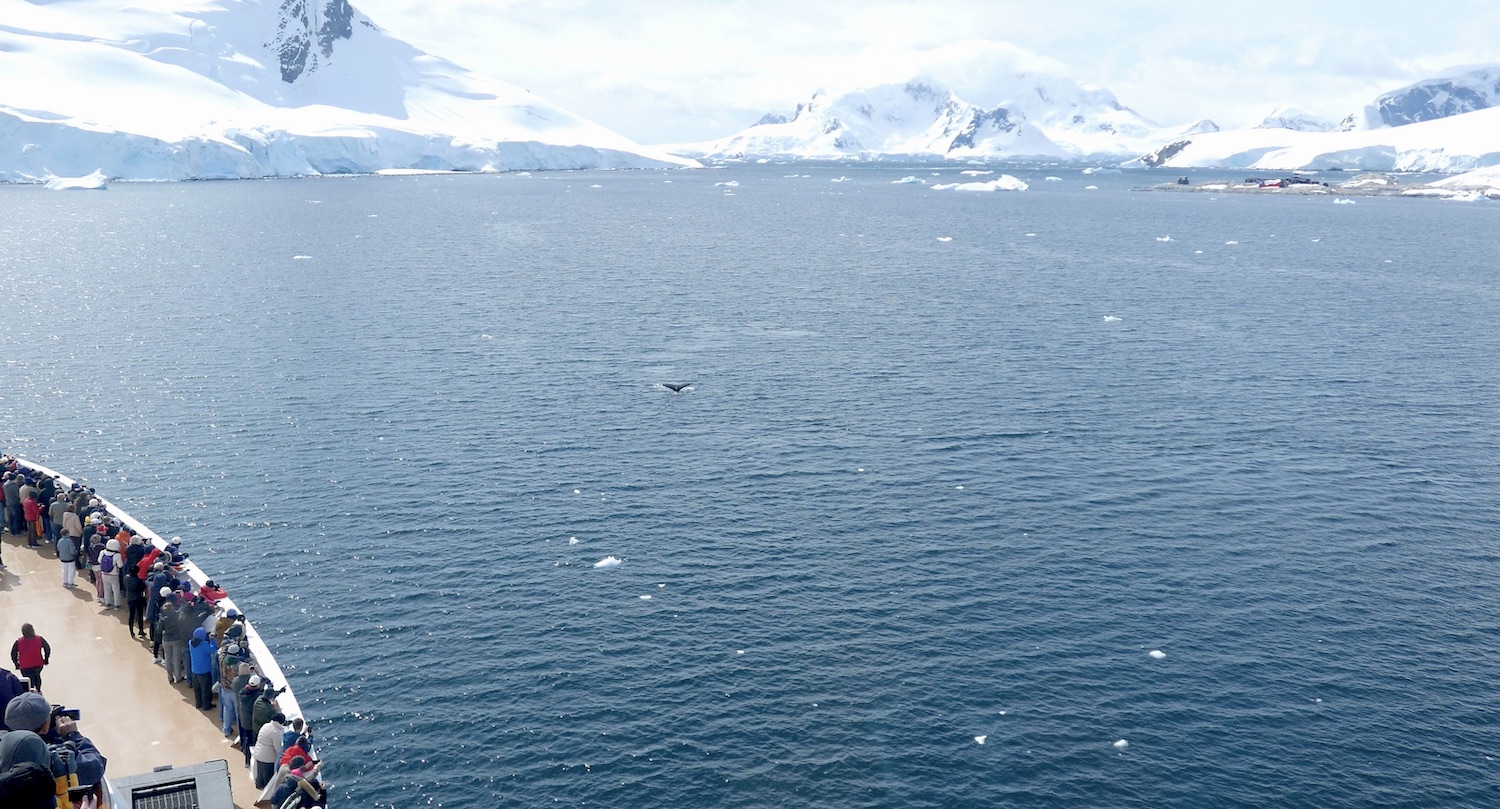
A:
(137, 720)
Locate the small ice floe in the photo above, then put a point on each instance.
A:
(980, 739)
(1164, 238)
(661, 585)
(861, 469)
(1091, 188)
(577, 491)
(1111, 319)
(1157, 654)
(1004, 182)
(739, 651)
(96, 181)
(1343, 201)
(1052, 179)
(1317, 240)
(945, 238)
(839, 180)
(1231, 241)
(728, 184)
(645, 598)
(960, 488)
(1031, 235)
(301, 258)
(572, 540)
(1002, 713)
(486, 336)
(1121, 744)
(1197, 252)
(975, 173)
(606, 563)
(910, 178)
(596, 185)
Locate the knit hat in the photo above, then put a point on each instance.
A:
(113, 545)
(298, 762)
(28, 711)
(165, 592)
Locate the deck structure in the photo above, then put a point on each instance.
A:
(137, 720)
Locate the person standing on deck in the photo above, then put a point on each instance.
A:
(31, 510)
(31, 653)
(110, 563)
(73, 527)
(135, 599)
(203, 654)
(12, 489)
(67, 556)
(54, 516)
(173, 641)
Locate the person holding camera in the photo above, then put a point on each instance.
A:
(41, 732)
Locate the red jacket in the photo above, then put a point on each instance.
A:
(31, 509)
(30, 653)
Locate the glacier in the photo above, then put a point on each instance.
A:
(229, 89)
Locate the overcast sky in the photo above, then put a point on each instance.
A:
(662, 71)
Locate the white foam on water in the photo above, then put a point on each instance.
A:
(1317, 240)
(1111, 319)
(1052, 179)
(1197, 252)
(572, 540)
(1231, 242)
(301, 258)
(1164, 238)
(1091, 188)
(596, 185)
(980, 739)
(728, 184)
(1343, 201)
(1157, 654)
(839, 180)
(861, 469)
(1031, 234)
(1121, 744)
(945, 238)
(486, 336)
(606, 563)
(910, 178)
(960, 488)
(645, 598)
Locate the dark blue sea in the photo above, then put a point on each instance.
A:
(951, 466)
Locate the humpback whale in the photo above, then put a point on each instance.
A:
(674, 388)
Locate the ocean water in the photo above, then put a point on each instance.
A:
(951, 466)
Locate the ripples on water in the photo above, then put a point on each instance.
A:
(921, 490)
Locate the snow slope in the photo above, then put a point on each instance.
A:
(1455, 143)
(206, 89)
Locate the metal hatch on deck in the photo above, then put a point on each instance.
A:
(194, 786)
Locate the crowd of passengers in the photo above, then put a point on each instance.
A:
(198, 641)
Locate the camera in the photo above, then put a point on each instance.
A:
(71, 713)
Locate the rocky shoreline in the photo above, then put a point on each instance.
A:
(1370, 184)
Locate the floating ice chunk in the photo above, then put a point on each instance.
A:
(728, 184)
(980, 739)
(1031, 234)
(576, 491)
(1164, 238)
(1231, 241)
(839, 180)
(1053, 179)
(1004, 182)
(960, 488)
(572, 540)
(1343, 201)
(1157, 654)
(910, 178)
(606, 563)
(1111, 319)
(975, 173)
(945, 238)
(1317, 240)
(861, 469)
(95, 181)
(661, 585)
(301, 258)
(645, 598)
(1002, 713)
(739, 651)
(1121, 744)
(596, 185)
(486, 336)
(1091, 188)
(1197, 252)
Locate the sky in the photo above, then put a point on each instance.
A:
(678, 71)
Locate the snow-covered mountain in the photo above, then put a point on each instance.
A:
(1037, 118)
(242, 88)
(1445, 124)
(1295, 120)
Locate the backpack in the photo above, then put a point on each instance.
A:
(27, 786)
(107, 563)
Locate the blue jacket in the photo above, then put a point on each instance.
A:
(203, 652)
